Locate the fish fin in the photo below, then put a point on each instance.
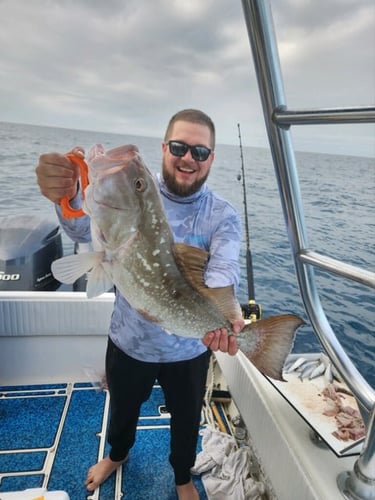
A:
(71, 267)
(267, 342)
(98, 282)
(192, 262)
(225, 300)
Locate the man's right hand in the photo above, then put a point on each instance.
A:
(57, 176)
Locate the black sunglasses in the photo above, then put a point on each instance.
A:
(198, 152)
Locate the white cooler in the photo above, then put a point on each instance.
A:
(34, 494)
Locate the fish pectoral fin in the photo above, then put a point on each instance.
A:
(71, 267)
(224, 299)
(267, 342)
(98, 282)
(192, 262)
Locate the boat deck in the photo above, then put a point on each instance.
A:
(51, 435)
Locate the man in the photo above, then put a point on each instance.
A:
(139, 351)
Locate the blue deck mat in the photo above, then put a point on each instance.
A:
(20, 483)
(29, 422)
(22, 462)
(148, 474)
(79, 443)
(33, 422)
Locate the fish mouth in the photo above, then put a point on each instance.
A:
(104, 204)
(107, 205)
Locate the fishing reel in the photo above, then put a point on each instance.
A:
(252, 310)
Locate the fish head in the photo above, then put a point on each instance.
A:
(120, 190)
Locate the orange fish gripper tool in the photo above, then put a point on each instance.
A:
(68, 211)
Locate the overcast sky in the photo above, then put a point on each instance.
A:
(126, 65)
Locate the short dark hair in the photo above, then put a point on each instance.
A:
(192, 116)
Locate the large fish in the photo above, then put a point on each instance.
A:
(134, 250)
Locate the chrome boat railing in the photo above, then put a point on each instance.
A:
(359, 483)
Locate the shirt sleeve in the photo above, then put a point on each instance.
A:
(223, 267)
(77, 228)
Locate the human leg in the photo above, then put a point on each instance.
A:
(130, 383)
(184, 384)
(187, 491)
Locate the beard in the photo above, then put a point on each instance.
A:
(181, 190)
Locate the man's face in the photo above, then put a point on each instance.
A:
(184, 175)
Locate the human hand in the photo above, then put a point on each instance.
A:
(219, 340)
(57, 176)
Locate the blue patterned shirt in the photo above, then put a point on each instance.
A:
(203, 220)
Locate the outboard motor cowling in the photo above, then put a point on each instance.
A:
(28, 246)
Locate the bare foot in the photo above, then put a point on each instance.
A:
(187, 491)
(99, 472)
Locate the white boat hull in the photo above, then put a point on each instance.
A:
(52, 336)
(296, 467)
(48, 337)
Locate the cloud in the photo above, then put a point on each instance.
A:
(327, 54)
(127, 66)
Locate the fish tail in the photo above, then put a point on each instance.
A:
(267, 342)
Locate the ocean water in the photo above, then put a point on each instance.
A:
(337, 193)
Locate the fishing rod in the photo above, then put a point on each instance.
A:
(251, 310)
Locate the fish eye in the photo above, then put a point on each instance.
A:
(140, 184)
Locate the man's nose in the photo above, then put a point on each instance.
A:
(187, 156)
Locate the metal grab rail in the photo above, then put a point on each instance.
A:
(262, 38)
(338, 267)
(287, 117)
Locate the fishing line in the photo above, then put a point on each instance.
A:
(251, 310)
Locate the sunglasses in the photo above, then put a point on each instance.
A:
(198, 153)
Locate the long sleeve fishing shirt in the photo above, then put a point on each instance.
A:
(203, 220)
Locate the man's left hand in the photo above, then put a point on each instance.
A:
(219, 340)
